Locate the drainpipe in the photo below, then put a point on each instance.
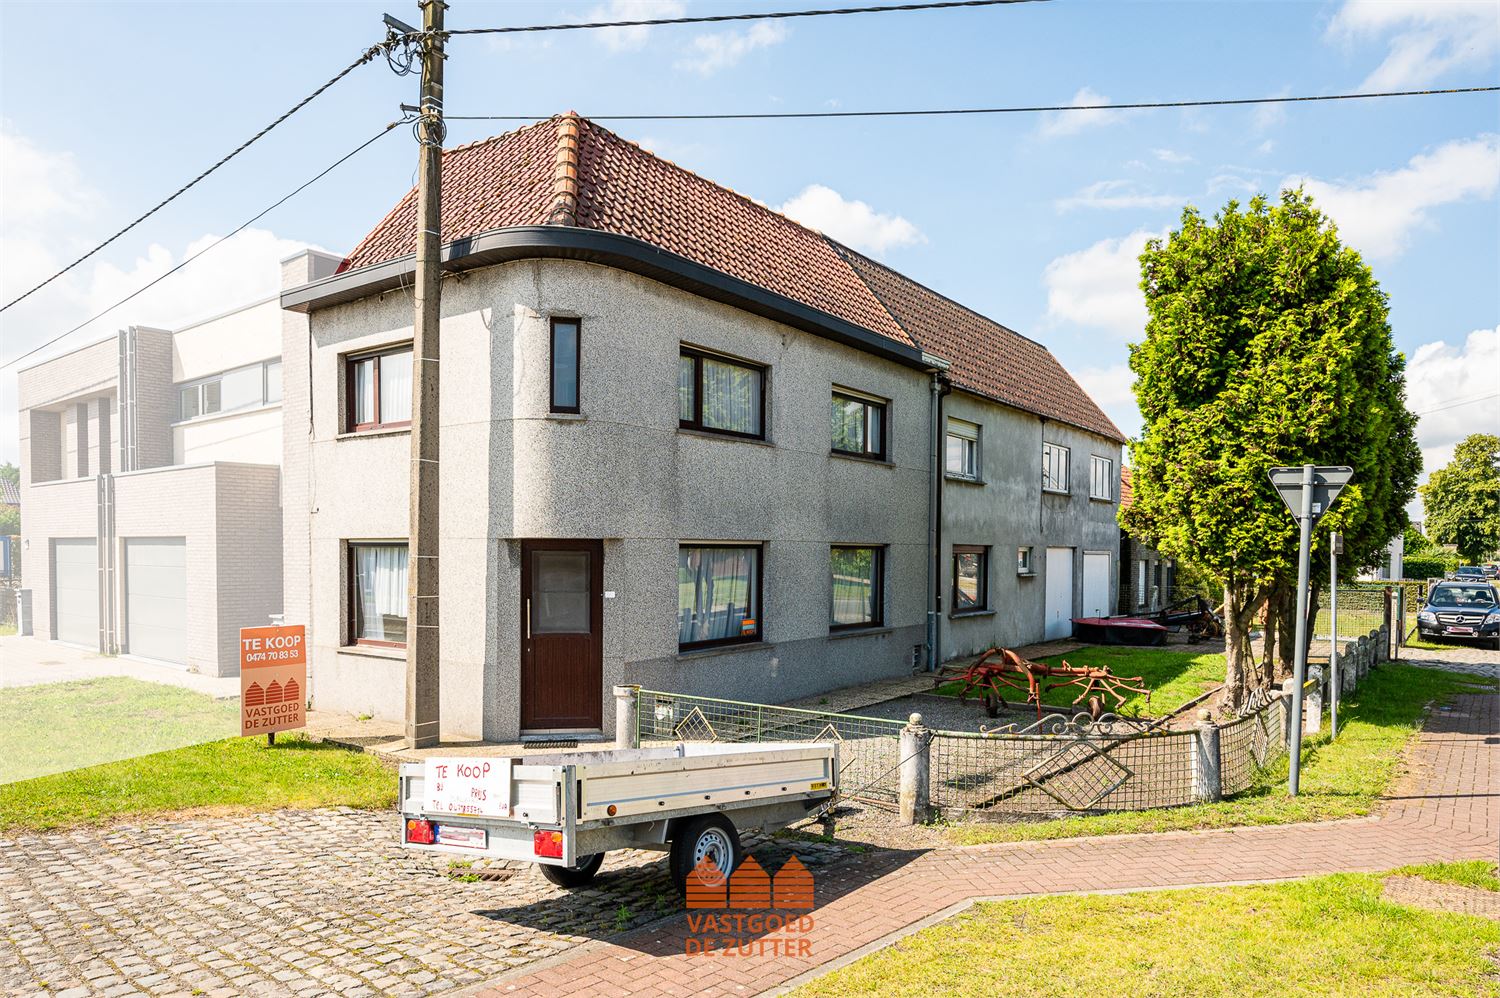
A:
(938, 368)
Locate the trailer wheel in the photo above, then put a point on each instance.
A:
(711, 837)
(580, 874)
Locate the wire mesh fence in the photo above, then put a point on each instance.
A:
(868, 746)
(1249, 744)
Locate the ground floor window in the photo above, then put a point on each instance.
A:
(718, 594)
(377, 593)
(857, 587)
(971, 573)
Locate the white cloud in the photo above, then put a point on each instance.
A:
(1172, 156)
(1268, 116)
(1059, 123)
(1110, 387)
(1453, 390)
(1266, 147)
(1100, 286)
(708, 53)
(1426, 39)
(1377, 214)
(852, 222)
(631, 39)
(1116, 194)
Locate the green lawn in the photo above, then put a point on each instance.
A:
(1340, 779)
(1477, 873)
(1325, 936)
(232, 774)
(1173, 677)
(61, 726)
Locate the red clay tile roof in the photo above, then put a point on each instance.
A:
(569, 171)
(988, 359)
(1127, 490)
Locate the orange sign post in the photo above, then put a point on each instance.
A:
(273, 680)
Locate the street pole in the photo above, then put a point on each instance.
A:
(422, 551)
(1333, 640)
(1299, 673)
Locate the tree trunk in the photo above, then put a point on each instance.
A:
(1286, 622)
(1241, 603)
(1270, 643)
(1313, 594)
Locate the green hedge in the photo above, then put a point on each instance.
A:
(1428, 566)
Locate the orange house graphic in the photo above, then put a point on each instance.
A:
(750, 886)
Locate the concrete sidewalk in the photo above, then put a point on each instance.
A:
(1447, 807)
(29, 661)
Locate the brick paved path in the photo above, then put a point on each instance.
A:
(1446, 808)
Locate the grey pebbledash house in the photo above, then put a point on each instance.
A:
(686, 443)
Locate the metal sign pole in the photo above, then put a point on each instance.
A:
(1299, 674)
(1337, 541)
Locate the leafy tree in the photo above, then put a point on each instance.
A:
(1267, 343)
(1462, 499)
(10, 473)
(1416, 542)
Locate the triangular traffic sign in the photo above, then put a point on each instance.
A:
(1328, 482)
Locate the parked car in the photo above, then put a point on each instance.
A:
(1491, 571)
(1470, 611)
(1469, 573)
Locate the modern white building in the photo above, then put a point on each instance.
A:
(151, 479)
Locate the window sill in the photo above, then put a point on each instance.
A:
(863, 458)
(688, 431)
(860, 632)
(965, 614)
(374, 651)
(1026, 575)
(566, 417)
(734, 649)
(962, 479)
(365, 434)
(1101, 499)
(209, 417)
(1056, 492)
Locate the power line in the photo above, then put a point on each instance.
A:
(369, 54)
(719, 18)
(1455, 405)
(243, 226)
(920, 112)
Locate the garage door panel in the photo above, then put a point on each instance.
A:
(75, 591)
(1096, 602)
(156, 598)
(1059, 622)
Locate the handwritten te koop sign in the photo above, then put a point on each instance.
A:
(467, 786)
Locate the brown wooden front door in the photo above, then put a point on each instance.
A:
(562, 645)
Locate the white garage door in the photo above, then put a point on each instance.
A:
(75, 591)
(156, 598)
(1095, 584)
(1059, 593)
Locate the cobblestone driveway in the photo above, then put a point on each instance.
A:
(294, 903)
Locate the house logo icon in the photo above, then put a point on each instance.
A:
(750, 913)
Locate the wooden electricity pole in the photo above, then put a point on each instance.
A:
(422, 558)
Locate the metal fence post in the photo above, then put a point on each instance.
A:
(915, 796)
(627, 716)
(1208, 776)
(1314, 702)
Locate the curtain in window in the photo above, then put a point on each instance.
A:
(687, 371)
(716, 590)
(731, 397)
(848, 425)
(364, 391)
(395, 387)
(854, 586)
(380, 592)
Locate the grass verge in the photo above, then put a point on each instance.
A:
(56, 727)
(1477, 873)
(1173, 677)
(1340, 779)
(233, 774)
(1324, 936)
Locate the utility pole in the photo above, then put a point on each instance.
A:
(422, 672)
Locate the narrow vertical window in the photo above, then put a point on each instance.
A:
(565, 335)
(1054, 468)
(1101, 478)
(971, 578)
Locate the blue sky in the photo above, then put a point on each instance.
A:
(1034, 220)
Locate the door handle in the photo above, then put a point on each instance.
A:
(528, 618)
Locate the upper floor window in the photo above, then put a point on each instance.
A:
(1054, 468)
(963, 449)
(1101, 478)
(858, 425)
(377, 387)
(564, 376)
(241, 388)
(720, 395)
(858, 588)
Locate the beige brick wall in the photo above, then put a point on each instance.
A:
(53, 509)
(249, 553)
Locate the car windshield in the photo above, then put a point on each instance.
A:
(1462, 596)
(1467, 570)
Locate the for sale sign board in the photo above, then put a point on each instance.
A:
(475, 786)
(273, 679)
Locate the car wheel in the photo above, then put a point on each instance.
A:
(711, 837)
(580, 874)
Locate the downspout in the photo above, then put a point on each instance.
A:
(940, 386)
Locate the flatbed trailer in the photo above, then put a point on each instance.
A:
(565, 811)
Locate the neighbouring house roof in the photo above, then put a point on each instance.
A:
(1127, 490)
(568, 171)
(10, 492)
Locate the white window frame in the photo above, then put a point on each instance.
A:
(1101, 478)
(1053, 457)
(970, 434)
(210, 387)
(1023, 561)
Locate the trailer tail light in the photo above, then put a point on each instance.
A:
(419, 831)
(547, 844)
